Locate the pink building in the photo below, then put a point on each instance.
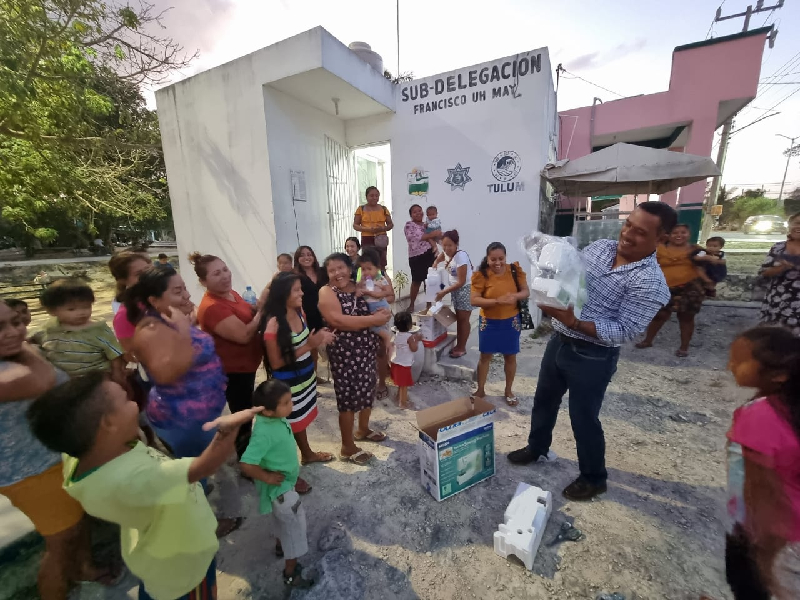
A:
(710, 82)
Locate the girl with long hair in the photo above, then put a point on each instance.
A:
(288, 346)
(763, 542)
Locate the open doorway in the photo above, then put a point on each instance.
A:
(373, 167)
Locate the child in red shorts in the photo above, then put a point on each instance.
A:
(405, 345)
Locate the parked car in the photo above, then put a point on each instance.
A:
(763, 224)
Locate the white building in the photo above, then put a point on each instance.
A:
(260, 151)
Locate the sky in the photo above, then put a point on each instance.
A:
(624, 46)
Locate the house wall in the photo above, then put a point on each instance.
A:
(471, 127)
(296, 141)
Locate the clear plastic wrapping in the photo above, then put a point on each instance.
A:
(558, 271)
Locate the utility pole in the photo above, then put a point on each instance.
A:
(748, 13)
(708, 218)
(791, 151)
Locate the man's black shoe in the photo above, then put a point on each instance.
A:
(523, 456)
(581, 490)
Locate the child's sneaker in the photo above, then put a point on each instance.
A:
(296, 579)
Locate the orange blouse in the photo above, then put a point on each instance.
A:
(494, 286)
(677, 264)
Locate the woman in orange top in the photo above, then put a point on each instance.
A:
(373, 220)
(685, 280)
(497, 289)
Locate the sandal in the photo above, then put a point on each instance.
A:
(302, 487)
(228, 525)
(381, 394)
(360, 458)
(296, 579)
(512, 400)
(372, 436)
(681, 353)
(319, 457)
(453, 354)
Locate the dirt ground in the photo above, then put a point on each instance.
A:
(375, 533)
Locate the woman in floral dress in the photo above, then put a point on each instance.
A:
(781, 305)
(352, 356)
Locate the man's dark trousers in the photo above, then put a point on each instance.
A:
(585, 370)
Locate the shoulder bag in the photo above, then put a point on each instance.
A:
(526, 321)
(382, 239)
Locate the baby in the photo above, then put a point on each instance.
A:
(432, 223)
(71, 340)
(375, 287)
(712, 260)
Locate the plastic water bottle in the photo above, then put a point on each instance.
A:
(250, 297)
(370, 284)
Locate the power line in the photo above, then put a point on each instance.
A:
(563, 70)
(768, 116)
(714, 20)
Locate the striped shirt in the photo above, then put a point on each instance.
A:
(621, 301)
(302, 379)
(78, 351)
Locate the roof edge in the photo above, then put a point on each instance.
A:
(726, 38)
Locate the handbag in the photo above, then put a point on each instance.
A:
(526, 321)
(382, 240)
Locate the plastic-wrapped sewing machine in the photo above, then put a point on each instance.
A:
(558, 271)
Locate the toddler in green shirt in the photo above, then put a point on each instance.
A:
(271, 461)
(167, 528)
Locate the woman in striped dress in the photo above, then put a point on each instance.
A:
(288, 345)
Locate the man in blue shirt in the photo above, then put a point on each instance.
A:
(625, 289)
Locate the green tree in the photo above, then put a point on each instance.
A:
(78, 147)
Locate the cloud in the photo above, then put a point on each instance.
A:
(195, 24)
(593, 60)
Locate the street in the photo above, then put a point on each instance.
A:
(738, 236)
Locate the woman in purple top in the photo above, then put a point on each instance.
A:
(180, 359)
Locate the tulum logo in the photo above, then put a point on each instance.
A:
(458, 177)
(506, 165)
(505, 168)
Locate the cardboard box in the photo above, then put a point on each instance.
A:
(456, 446)
(433, 327)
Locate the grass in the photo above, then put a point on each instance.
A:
(744, 264)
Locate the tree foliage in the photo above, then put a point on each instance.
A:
(747, 206)
(78, 146)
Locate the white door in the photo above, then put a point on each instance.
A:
(342, 192)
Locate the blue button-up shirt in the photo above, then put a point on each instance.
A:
(620, 302)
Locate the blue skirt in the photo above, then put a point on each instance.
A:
(499, 336)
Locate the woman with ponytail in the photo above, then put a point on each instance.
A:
(289, 347)
(180, 359)
(763, 544)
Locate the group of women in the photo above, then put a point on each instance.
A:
(780, 273)
(497, 288)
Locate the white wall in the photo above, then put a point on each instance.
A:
(296, 141)
(481, 127)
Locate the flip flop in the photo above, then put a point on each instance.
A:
(681, 353)
(452, 354)
(233, 524)
(302, 487)
(381, 394)
(512, 400)
(360, 458)
(372, 436)
(322, 457)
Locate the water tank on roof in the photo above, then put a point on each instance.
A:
(365, 53)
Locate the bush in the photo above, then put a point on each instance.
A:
(749, 207)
